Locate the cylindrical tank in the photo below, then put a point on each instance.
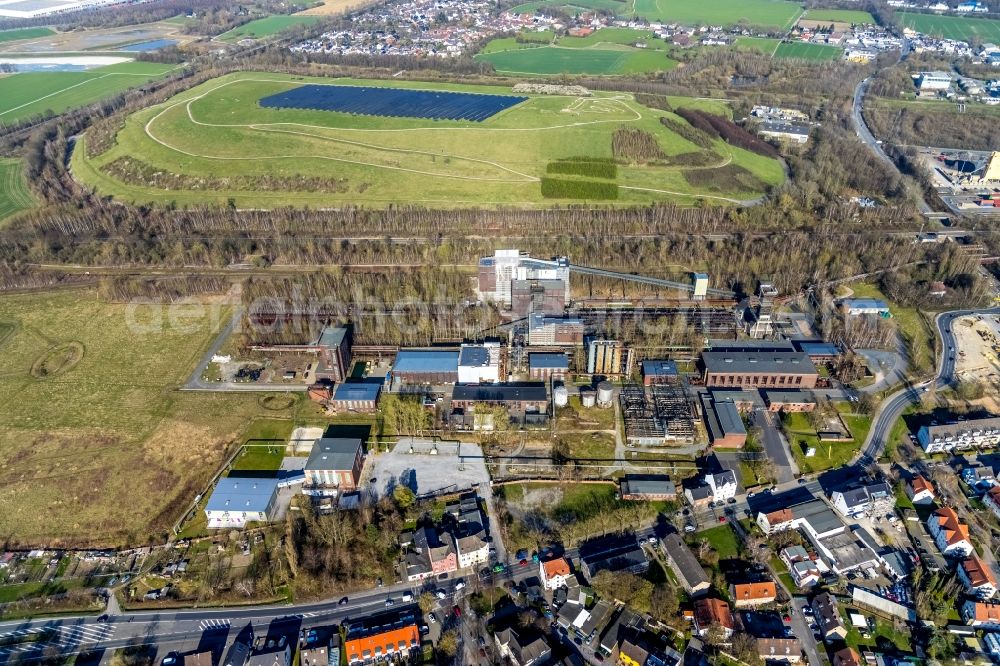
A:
(587, 398)
(605, 391)
(560, 396)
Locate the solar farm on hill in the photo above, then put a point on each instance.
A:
(220, 142)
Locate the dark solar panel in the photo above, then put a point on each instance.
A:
(393, 102)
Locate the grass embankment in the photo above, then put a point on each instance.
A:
(917, 332)
(14, 193)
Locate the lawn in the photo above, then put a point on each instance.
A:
(574, 60)
(804, 51)
(215, 142)
(32, 93)
(24, 33)
(589, 444)
(575, 416)
(266, 27)
(572, 7)
(761, 44)
(883, 630)
(839, 16)
(107, 451)
(264, 444)
(723, 541)
(829, 455)
(619, 36)
(952, 27)
(771, 14)
(14, 193)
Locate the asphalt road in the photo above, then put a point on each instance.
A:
(891, 409)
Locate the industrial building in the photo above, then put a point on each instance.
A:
(932, 82)
(864, 306)
(543, 366)
(359, 397)
(608, 357)
(424, 366)
(237, 501)
(479, 364)
(656, 416)
(334, 465)
(758, 369)
(760, 324)
(555, 331)
(648, 487)
(526, 402)
(723, 422)
(659, 372)
(781, 130)
(789, 401)
(527, 285)
(332, 347)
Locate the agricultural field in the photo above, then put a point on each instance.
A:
(804, 51)
(332, 7)
(266, 27)
(99, 447)
(216, 142)
(759, 44)
(31, 93)
(774, 14)
(24, 33)
(14, 194)
(573, 7)
(849, 16)
(952, 27)
(561, 60)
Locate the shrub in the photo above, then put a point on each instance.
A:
(594, 167)
(636, 146)
(730, 132)
(687, 132)
(557, 188)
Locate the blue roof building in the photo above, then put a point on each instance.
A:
(237, 501)
(426, 366)
(658, 372)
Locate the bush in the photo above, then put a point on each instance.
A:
(687, 132)
(557, 188)
(653, 101)
(636, 146)
(594, 167)
(730, 132)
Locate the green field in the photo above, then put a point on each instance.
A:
(839, 16)
(761, 44)
(106, 450)
(805, 51)
(14, 194)
(215, 142)
(776, 14)
(561, 60)
(24, 33)
(952, 27)
(266, 27)
(32, 93)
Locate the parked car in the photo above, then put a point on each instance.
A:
(457, 611)
(460, 585)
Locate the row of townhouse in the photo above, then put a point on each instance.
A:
(967, 434)
(461, 546)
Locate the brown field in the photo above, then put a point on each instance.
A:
(837, 25)
(106, 451)
(330, 7)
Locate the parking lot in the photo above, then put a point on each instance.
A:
(427, 467)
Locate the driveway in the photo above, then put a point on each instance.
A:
(785, 467)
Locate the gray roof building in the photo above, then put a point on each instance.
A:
(500, 393)
(761, 362)
(334, 453)
(685, 565)
(653, 486)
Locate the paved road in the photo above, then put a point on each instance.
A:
(892, 408)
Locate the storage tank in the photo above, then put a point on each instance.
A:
(560, 396)
(605, 391)
(587, 398)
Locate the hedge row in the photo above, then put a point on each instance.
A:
(730, 132)
(594, 167)
(557, 188)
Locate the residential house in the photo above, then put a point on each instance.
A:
(472, 549)
(977, 578)
(985, 615)
(637, 649)
(616, 556)
(623, 625)
(967, 434)
(334, 465)
(599, 617)
(775, 521)
(920, 490)
(373, 640)
(698, 496)
(828, 617)
(203, 658)
(521, 651)
(434, 553)
(992, 500)
(748, 595)
(979, 477)
(779, 650)
(872, 500)
(846, 657)
(272, 653)
(554, 573)
(804, 568)
(712, 612)
(685, 565)
(949, 533)
(723, 485)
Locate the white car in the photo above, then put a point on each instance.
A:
(407, 596)
(459, 585)
(440, 594)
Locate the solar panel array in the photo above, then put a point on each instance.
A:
(393, 102)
